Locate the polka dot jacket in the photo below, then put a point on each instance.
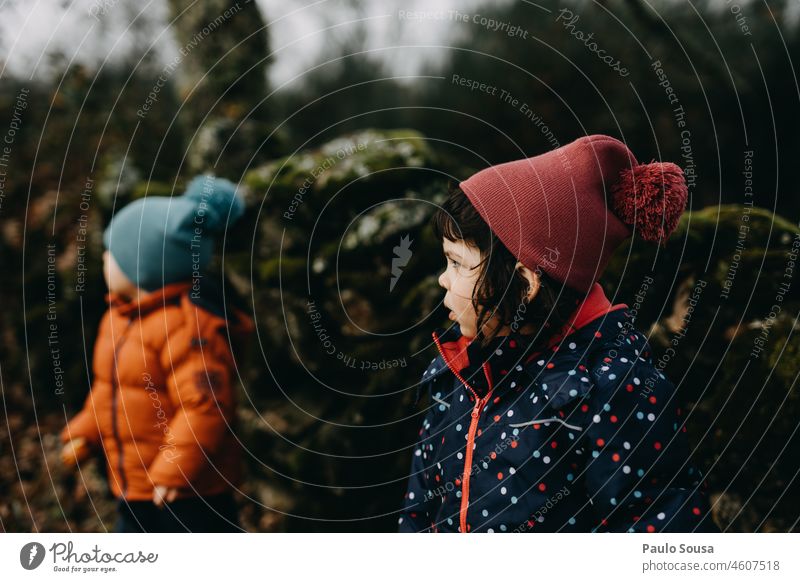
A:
(584, 436)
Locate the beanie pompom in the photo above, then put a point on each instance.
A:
(218, 204)
(650, 198)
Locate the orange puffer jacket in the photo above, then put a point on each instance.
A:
(162, 403)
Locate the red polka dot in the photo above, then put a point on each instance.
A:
(651, 528)
(600, 442)
(542, 486)
(497, 418)
(493, 455)
(615, 457)
(553, 444)
(514, 444)
(584, 407)
(696, 510)
(535, 427)
(657, 446)
(512, 344)
(652, 399)
(551, 365)
(629, 387)
(613, 418)
(500, 475)
(598, 334)
(496, 399)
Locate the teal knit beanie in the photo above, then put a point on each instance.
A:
(158, 240)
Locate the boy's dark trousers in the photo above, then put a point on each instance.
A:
(215, 513)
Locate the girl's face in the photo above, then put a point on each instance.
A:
(459, 279)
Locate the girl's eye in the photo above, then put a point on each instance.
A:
(454, 264)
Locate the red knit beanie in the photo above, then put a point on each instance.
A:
(567, 210)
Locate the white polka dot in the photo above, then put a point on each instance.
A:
(485, 513)
(572, 372)
(418, 452)
(513, 500)
(510, 413)
(626, 445)
(540, 362)
(503, 490)
(596, 418)
(626, 469)
(661, 515)
(499, 352)
(411, 495)
(511, 471)
(545, 460)
(651, 417)
(460, 456)
(572, 345)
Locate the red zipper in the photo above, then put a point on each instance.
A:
(473, 426)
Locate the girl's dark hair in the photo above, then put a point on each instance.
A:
(500, 289)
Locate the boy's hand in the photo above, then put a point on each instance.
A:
(162, 493)
(75, 451)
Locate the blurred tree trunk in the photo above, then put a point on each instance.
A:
(223, 52)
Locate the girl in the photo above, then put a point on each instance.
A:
(548, 414)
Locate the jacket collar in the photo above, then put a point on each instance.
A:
(465, 356)
(147, 302)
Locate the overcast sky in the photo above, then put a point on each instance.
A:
(89, 31)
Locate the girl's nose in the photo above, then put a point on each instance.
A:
(443, 279)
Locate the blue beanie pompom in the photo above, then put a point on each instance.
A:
(217, 201)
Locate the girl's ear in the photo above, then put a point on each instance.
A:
(533, 279)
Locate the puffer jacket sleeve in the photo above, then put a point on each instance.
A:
(198, 368)
(85, 424)
(638, 472)
(417, 513)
